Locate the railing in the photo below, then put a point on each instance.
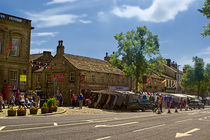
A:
(15, 19)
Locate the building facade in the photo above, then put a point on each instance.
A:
(71, 74)
(15, 35)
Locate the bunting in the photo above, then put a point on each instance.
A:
(9, 48)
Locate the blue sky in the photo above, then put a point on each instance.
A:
(87, 27)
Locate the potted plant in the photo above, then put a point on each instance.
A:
(51, 103)
(44, 108)
(11, 111)
(34, 110)
(21, 111)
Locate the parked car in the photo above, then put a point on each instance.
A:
(196, 104)
(140, 105)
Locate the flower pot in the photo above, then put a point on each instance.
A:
(44, 110)
(33, 111)
(51, 109)
(55, 108)
(11, 112)
(21, 112)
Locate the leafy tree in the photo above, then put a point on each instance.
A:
(138, 53)
(206, 12)
(197, 78)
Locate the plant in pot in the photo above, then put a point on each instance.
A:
(21, 111)
(51, 103)
(11, 111)
(44, 108)
(34, 110)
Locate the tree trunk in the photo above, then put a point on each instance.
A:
(199, 85)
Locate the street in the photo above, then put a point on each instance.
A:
(187, 125)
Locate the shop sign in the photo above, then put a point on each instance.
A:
(23, 78)
(118, 88)
(60, 77)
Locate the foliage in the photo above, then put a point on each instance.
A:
(206, 12)
(21, 108)
(44, 105)
(12, 108)
(197, 78)
(34, 108)
(138, 53)
(51, 102)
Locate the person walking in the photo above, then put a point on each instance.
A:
(73, 101)
(80, 101)
(1, 98)
(61, 100)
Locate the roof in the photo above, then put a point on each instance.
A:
(35, 56)
(91, 64)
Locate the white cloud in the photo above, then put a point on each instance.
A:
(36, 51)
(52, 34)
(53, 17)
(102, 16)
(59, 1)
(204, 52)
(85, 21)
(159, 11)
(40, 42)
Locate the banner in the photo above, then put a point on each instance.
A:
(23, 78)
(60, 77)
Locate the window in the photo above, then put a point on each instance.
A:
(93, 78)
(0, 44)
(102, 79)
(15, 47)
(38, 78)
(71, 76)
(48, 78)
(13, 75)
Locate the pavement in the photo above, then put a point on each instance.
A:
(84, 110)
(60, 110)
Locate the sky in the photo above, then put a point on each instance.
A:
(88, 27)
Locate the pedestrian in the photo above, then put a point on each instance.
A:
(80, 100)
(61, 100)
(169, 105)
(1, 98)
(73, 101)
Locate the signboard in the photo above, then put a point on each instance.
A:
(23, 78)
(118, 88)
(60, 77)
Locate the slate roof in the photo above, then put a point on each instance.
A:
(34, 56)
(91, 64)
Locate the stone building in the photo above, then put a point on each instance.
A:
(71, 74)
(15, 35)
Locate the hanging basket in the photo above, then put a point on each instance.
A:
(33, 111)
(21, 112)
(44, 110)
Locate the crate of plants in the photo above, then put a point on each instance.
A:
(44, 108)
(51, 103)
(21, 111)
(11, 111)
(34, 110)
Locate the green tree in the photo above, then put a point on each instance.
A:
(197, 78)
(138, 53)
(206, 12)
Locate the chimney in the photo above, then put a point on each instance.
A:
(60, 48)
(47, 53)
(107, 57)
(168, 62)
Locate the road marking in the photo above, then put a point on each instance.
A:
(149, 128)
(55, 124)
(178, 135)
(116, 124)
(1, 128)
(183, 120)
(104, 138)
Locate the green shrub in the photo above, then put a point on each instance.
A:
(51, 102)
(44, 105)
